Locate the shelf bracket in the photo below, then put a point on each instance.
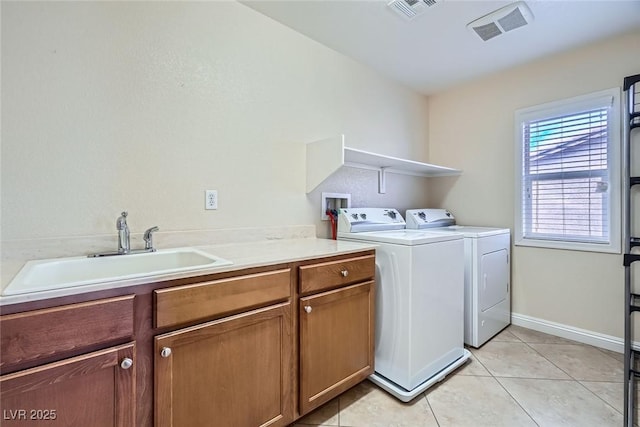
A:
(382, 181)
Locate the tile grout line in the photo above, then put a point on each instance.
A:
(435, 417)
(505, 389)
(547, 359)
(596, 395)
(516, 400)
(605, 352)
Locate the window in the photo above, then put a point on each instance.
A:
(568, 174)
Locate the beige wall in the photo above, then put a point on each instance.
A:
(141, 106)
(471, 127)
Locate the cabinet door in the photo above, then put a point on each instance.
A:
(96, 389)
(233, 372)
(336, 343)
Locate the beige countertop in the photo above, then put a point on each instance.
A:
(243, 255)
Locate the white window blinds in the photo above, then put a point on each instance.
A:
(566, 177)
(566, 168)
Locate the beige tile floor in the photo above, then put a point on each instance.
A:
(519, 378)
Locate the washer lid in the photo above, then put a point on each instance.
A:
(402, 237)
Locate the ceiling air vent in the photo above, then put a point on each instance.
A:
(500, 21)
(409, 9)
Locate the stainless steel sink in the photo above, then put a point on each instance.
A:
(44, 275)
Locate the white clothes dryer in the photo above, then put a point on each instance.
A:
(487, 272)
(419, 300)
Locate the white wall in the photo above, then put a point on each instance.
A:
(472, 128)
(141, 106)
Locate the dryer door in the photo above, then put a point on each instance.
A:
(494, 279)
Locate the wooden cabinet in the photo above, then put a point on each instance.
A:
(231, 372)
(261, 346)
(64, 369)
(240, 370)
(336, 333)
(95, 389)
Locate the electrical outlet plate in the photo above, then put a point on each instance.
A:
(211, 199)
(334, 201)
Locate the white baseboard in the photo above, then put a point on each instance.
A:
(572, 333)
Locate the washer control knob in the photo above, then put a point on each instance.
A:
(422, 215)
(363, 216)
(392, 214)
(354, 216)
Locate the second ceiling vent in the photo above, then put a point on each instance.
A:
(500, 21)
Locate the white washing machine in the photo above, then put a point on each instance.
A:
(487, 273)
(419, 300)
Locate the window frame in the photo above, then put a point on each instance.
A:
(568, 106)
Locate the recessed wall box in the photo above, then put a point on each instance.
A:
(334, 201)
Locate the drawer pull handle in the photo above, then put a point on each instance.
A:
(308, 308)
(344, 273)
(126, 363)
(165, 352)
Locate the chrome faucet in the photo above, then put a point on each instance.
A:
(124, 243)
(124, 239)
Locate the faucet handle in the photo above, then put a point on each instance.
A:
(148, 238)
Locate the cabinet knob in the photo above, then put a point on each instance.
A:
(344, 273)
(165, 352)
(308, 308)
(126, 363)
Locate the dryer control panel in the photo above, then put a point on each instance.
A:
(429, 218)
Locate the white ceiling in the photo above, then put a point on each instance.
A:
(435, 50)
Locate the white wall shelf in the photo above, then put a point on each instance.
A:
(327, 156)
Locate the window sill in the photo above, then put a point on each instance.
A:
(610, 248)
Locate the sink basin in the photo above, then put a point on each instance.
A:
(44, 275)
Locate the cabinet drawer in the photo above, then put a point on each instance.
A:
(184, 304)
(333, 274)
(48, 332)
